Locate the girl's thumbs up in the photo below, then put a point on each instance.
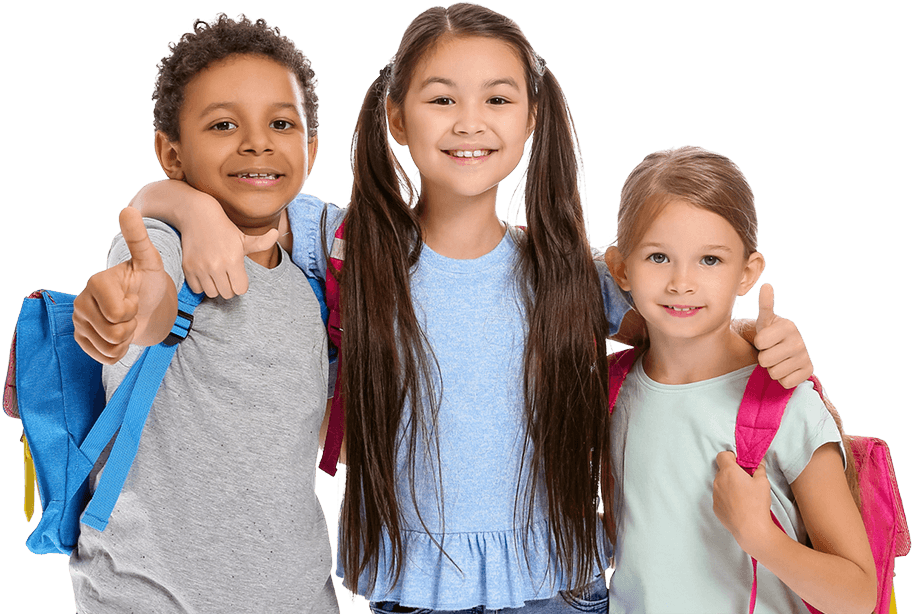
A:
(765, 307)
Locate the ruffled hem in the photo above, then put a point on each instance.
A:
(489, 568)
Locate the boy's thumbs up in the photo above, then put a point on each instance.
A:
(143, 255)
(132, 302)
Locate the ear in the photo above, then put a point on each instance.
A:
(312, 152)
(755, 264)
(395, 122)
(531, 122)
(169, 155)
(616, 264)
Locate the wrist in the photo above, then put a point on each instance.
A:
(757, 536)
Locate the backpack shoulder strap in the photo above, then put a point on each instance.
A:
(126, 413)
(334, 440)
(758, 418)
(620, 364)
(757, 422)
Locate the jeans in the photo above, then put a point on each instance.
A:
(592, 598)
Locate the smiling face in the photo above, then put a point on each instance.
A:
(686, 272)
(465, 118)
(244, 139)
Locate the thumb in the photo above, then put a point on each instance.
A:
(142, 252)
(725, 458)
(253, 244)
(765, 307)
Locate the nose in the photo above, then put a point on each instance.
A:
(681, 281)
(470, 120)
(256, 140)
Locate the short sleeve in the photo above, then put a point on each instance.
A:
(306, 215)
(806, 426)
(616, 302)
(165, 239)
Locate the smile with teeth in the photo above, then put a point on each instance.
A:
(257, 175)
(681, 308)
(476, 153)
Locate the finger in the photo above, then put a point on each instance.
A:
(725, 459)
(95, 326)
(224, 284)
(193, 282)
(253, 244)
(99, 349)
(142, 252)
(761, 472)
(106, 294)
(765, 307)
(238, 279)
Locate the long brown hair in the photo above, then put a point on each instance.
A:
(387, 365)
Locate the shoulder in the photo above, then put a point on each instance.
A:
(308, 217)
(807, 425)
(306, 212)
(164, 238)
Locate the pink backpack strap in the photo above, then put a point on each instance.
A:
(336, 424)
(620, 364)
(757, 422)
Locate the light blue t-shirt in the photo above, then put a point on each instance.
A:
(672, 553)
(475, 322)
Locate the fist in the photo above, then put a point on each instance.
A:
(117, 303)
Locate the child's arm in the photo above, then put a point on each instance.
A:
(132, 302)
(836, 575)
(213, 247)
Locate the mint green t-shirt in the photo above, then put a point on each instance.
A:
(673, 554)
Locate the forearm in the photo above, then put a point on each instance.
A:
(826, 581)
(175, 203)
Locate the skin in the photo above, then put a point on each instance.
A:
(467, 95)
(243, 115)
(693, 260)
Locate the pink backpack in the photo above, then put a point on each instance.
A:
(337, 422)
(757, 422)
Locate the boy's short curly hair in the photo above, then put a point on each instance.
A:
(211, 42)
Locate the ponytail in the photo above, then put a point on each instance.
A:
(385, 348)
(565, 359)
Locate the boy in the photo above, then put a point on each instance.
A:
(218, 512)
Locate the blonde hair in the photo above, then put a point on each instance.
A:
(705, 179)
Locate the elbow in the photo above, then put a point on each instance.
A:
(865, 598)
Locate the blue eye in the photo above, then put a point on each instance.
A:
(658, 258)
(224, 125)
(710, 260)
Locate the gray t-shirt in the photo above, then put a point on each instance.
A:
(218, 513)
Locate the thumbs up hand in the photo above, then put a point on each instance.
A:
(781, 348)
(132, 302)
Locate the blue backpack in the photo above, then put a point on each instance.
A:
(56, 390)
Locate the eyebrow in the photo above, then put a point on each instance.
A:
(490, 83)
(234, 105)
(709, 248)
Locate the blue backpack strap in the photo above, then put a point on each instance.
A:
(127, 411)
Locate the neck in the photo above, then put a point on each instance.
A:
(460, 227)
(684, 361)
